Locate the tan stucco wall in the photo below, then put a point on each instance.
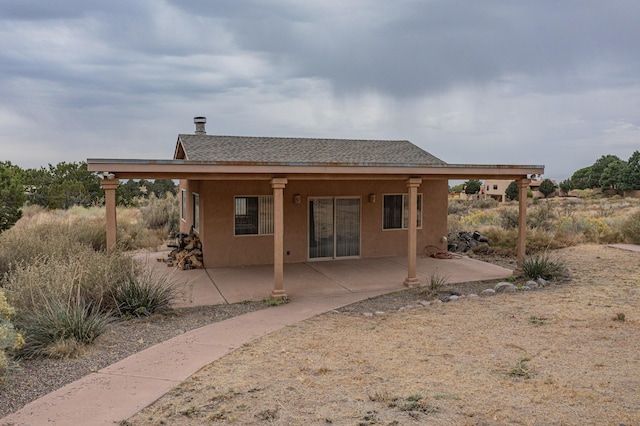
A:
(222, 248)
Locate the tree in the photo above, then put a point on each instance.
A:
(630, 174)
(598, 168)
(566, 185)
(512, 192)
(160, 187)
(611, 177)
(63, 186)
(11, 195)
(472, 186)
(457, 188)
(580, 178)
(546, 187)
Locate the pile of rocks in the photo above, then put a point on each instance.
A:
(464, 241)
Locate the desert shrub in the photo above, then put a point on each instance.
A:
(60, 328)
(143, 294)
(541, 217)
(508, 218)
(486, 203)
(10, 339)
(458, 207)
(542, 266)
(631, 228)
(162, 213)
(480, 218)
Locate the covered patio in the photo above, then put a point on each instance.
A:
(214, 286)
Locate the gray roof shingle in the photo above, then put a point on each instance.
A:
(303, 151)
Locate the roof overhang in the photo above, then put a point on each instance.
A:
(205, 170)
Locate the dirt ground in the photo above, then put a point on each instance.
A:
(565, 355)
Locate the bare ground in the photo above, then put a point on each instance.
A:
(568, 354)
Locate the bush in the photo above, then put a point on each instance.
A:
(542, 266)
(631, 228)
(162, 213)
(10, 340)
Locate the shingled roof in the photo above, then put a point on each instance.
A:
(301, 151)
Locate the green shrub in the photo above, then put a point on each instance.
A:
(542, 266)
(143, 294)
(631, 228)
(10, 340)
(60, 328)
(509, 218)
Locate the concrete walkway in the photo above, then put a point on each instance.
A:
(119, 391)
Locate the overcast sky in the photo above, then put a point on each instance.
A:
(547, 82)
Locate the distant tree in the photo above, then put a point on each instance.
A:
(580, 178)
(611, 176)
(130, 192)
(630, 174)
(547, 187)
(457, 188)
(62, 186)
(160, 187)
(11, 194)
(472, 186)
(512, 193)
(566, 185)
(598, 168)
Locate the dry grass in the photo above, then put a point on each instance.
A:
(475, 361)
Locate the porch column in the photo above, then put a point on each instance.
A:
(278, 184)
(523, 185)
(109, 186)
(412, 185)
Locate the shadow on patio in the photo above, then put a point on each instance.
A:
(213, 286)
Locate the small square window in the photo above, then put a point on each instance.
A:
(254, 215)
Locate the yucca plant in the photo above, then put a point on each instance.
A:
(144, 294)
(542, 266)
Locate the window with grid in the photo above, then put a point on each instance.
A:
(254, 215)
(396, 211)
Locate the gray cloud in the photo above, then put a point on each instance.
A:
(493, 81)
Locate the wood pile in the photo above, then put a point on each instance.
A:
(187, 253)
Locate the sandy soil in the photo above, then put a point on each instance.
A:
(565, 355)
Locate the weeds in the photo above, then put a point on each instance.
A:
(522, 369)
(10, 340)
(537, 320)
(143, 294)
(437, 283)
(277, 301)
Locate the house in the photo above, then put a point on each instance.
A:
(266, 200)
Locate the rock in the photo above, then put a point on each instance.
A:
(436, 301)
(472, 295)
(525, 288)
(425, 303)
(532, 284)
(488, 292)
(401, 309)
(453, 297)
(505, 287)
(543, 282)
(445, 298)
(367, 314)
(380, 313)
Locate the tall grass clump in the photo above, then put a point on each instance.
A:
(542, 266)
(162, 213)
(10, 339)
(143, 295)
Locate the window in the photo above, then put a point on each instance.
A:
(254, 215)
(495, 186)
(396, 211)
(196, 212)
(183, 205)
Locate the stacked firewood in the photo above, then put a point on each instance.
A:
(187, 253)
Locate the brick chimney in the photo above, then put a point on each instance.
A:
(200, 122)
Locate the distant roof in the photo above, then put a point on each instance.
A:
(301, 151)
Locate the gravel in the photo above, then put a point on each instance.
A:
(38, 377)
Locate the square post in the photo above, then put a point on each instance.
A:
(412, 239)
(109, 186)
(523, 185)
(278, 184)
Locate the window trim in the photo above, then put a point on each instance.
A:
(405, 199)
(270, 218)
(183, 205)
(196, 211)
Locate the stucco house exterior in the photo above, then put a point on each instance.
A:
(266, 200)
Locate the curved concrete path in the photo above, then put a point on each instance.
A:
(121, 390)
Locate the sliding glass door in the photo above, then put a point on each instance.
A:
(334, 227)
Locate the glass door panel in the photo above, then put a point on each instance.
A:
(347, 224)
(320, 228)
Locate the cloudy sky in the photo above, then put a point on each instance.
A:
(553, 82)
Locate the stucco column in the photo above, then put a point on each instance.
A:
(109, 186)
(523, 185)
(412, 237)
(278, 184)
